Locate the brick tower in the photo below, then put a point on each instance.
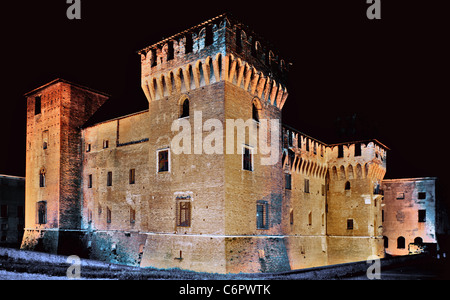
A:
(234, 202)
(55, 112)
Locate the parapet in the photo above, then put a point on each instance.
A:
(220, 49)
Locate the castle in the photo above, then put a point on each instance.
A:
(115, 190)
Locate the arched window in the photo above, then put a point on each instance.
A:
(255, 114)
(185, 109)
(42, 178)
(418, 241)
(347, 185)
(401, 242)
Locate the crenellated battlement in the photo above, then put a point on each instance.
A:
(220, 49)
(352, 160)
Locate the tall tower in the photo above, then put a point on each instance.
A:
(354, 222)
(214, 211)
(55, 113)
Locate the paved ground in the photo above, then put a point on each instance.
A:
(22, 265)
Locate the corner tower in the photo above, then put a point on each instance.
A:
(55, 113)
(213, 206)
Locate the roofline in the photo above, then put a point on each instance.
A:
(57, 80)
(12, 177)
(115, 119)
(146, 49)
(410, 179)
(362, 142)
(336, 144)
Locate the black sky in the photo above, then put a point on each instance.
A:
(391, 74)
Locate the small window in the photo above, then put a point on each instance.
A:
(347, 186)
(307, 186)
(340, 151)
(132, 215)
(290, 139)
(105, 144)
(209, 38)
(418, 241)
(422, 215)
(88, 147)
(310, 218)
(400, 196)
(262, 215)
(358, 149)
(291, 217)
(153, 58)
(132, 178)
(255, 113)
(42, 179)
(184, 214)
(163, 160)
(288, 179)
(170, 51)
(41, 209)
(89, 215)
(189, 45)
(109, 179)
(382, 215)
(90, 181)
(185, 109)
(247, 162)
(386, 241)
(45, 139)
(349, 224)
(108, 215)
(37, 105)
(422, 195)
(401, 243)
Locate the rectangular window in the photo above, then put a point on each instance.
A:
(163, 160)
(41, 209)
(422, 195)
(89, 216)
(108, 215)
(288, 179)
(422, 215)
(340, 151)
(306, 185)
(42, 179)
(88, 147)
(105, 144)
(37, 105)
(132, 215)
(189, 45)
(132, 178)
(400, 196)
(184, 214)
(90, 181)
(262, 215)
(349, 224)
(247, 162)
(4, 211)
(358, 149)
(109, 179)
(290, 139)
(170, 51)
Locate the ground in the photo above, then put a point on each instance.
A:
(13, 266)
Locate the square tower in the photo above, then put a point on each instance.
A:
(216, 78)
(55, 113)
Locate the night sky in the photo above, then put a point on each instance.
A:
(391, 76)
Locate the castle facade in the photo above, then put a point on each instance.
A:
(116, 190)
